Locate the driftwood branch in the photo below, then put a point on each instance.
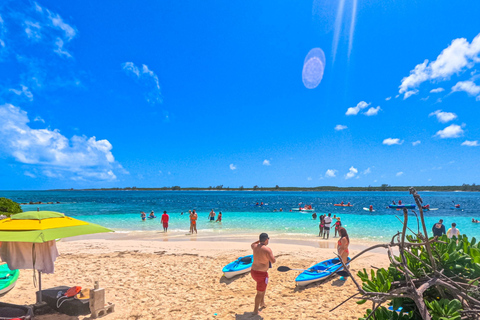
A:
(414, 286)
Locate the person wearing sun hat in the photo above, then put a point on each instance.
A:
(338, 224)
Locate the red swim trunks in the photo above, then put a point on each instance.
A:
(165, 224)
(261, 277)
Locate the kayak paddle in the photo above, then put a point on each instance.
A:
(285, 269)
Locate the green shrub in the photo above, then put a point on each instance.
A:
(8, 207)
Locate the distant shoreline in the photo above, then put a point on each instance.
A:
(463, 188)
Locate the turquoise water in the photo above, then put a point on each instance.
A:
(120, 210)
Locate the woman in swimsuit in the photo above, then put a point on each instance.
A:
(343, 243)
(321, 225)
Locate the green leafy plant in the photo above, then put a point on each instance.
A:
(9, 207)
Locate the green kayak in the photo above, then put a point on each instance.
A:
(8, 278)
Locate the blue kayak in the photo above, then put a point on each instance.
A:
(320, 271)
(401, 206)
(8, 278)
(239, 266)
(453, 208)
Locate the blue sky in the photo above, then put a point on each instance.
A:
(206, 93)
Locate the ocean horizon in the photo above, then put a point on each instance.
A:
(240, 214)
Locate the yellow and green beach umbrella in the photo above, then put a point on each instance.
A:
(43, 226)
(39, 228)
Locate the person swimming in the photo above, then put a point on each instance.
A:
(152, 215)
(143, 215)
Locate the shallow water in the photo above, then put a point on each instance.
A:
(120, 210)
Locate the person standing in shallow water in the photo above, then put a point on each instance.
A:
(164, 220)
(327, 222)
(321, 225)
(193, 221)
(212, 215)
(438, 229)
(262, 260)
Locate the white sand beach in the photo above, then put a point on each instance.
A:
(157, 278)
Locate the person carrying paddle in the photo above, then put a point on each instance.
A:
(262, 260)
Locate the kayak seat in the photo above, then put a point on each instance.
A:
(246, 259)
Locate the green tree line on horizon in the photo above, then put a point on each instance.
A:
(383, 187)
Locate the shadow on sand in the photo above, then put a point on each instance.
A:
(248, 315)
(226, 280)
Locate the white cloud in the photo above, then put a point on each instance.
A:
(353, 111)
(147, 78)
(266, 162)
(233, 167)
(78, 157)
(388, 98)
(59, 50)
(367, 171)
(351, 173)
(340, 127)
(330, 173)
(452, 131)
(372, 111)
(437, 90)
(454, 59)
(58, 23)
(392, 141)
(29, 174)
(410, 93)
(309, 178)
(39, 119)
(443, 117)
(399, 174)
(32, 29)
(469, 87)
(470, 143)
(25, 92)
(415, 143)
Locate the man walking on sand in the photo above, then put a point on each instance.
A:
(262, 260)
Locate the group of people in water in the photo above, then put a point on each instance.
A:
(325, 224)
(164, 219)
(438, 230)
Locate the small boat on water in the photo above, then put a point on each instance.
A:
(367, 209)
(8, 278)
(343, 205)
(239, 266)
(321, 271)
(401, 206)
(307, 208)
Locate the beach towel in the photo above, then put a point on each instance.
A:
(27, 255)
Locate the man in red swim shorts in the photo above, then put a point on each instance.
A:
(262, 260)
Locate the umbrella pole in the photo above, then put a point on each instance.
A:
(39, 296)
